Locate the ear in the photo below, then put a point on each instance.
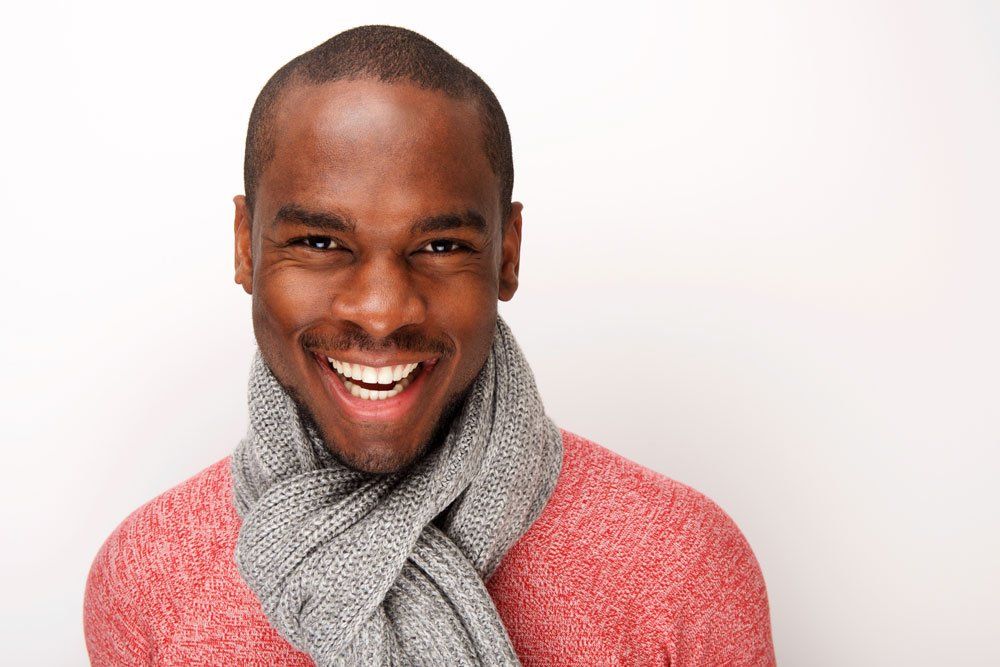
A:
(510, 261)
(242, 228)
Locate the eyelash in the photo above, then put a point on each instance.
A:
(303, 240)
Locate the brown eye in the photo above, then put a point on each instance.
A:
(441, 246)
(316, 242)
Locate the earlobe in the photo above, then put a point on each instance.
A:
(242, 227)
(511, 260)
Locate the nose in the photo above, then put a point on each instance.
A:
(379, 296)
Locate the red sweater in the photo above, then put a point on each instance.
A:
(623, 567)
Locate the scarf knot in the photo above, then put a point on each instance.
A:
(350, 567)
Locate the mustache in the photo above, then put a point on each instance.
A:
(397, 341)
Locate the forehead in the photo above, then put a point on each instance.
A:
(378, 149)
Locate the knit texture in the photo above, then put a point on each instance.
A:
(349, 567)
(623, 567)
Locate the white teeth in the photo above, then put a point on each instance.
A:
(401, 371)
(370, 374)
(398, 376)
(375, 395)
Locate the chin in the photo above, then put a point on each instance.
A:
(381, 458)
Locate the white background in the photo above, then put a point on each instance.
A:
(759, 256)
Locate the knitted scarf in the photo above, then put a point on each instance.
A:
(351, 567)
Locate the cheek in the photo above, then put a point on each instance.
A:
(287, 300)
(458, 296)
(466, 310)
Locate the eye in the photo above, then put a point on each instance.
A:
(443, 246)
(315, 242)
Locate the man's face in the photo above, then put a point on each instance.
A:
(377, 240)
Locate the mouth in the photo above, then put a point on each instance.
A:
(374, 383)
(385, 393)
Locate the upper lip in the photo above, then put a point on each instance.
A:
(374, 362)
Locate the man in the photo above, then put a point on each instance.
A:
(401, 497)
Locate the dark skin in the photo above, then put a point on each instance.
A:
(377, 231)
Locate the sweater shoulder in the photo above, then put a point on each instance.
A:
(654, 526)
(608, 487)
(145, 567)
(167, 537)
(198, 506)
(663, 554)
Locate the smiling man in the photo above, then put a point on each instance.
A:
(376, 237)
(401, 497)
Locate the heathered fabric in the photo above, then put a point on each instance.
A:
(623, 567)
(349, 567)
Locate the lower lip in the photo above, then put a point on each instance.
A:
(387, 409)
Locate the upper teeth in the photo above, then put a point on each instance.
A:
(370, 374)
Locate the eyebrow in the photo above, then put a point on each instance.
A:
(449, 221)
(330, 222)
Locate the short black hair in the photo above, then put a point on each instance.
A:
(389, 54)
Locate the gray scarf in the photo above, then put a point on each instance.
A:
(350, 567)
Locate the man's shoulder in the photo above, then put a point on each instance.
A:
(594, 474)
(153, 559)
(659, 561)
(613, 502)
(199, 503)
(151, 544)
(658, 558)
